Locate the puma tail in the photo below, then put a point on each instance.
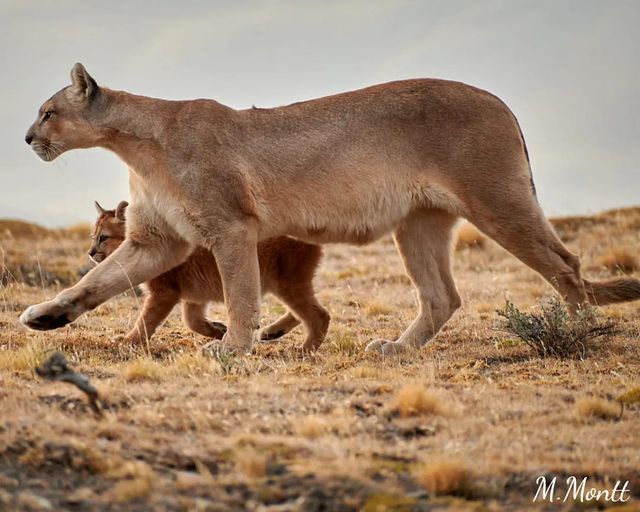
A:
(610, 292)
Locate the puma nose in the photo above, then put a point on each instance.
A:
(91, 252)
(28, 139)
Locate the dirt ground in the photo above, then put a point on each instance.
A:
(468, 423)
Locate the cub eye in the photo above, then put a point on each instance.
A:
(102, 239)
(47, 115)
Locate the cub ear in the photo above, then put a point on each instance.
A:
(99, 209)
(120, 210)
(83, 86)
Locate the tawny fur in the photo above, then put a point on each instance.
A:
(287, 269)
(407, 157)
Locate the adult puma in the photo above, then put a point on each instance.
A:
(287, 267)
(408, 157)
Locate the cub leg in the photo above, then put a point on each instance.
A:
(132, 263)
(157, 306)
(236, 252)
(193, 315)
(301, 300)
(424, 242)
(280, 327)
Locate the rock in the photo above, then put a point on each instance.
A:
(32, 501)
(5, 498)
(186, 480)
(6, 481)
(80, 495)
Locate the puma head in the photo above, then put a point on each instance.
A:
(67, 120)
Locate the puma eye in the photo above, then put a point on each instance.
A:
(47, 115)
(102, 239)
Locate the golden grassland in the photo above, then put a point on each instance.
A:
(469, 422)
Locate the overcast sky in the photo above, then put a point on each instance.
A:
(569, 70)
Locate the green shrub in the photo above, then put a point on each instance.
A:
(554, 332)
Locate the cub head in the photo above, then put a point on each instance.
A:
(68, 119)
(109, 231)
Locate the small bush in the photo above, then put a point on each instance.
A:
(553, 332)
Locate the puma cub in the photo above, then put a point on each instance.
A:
(287, 267)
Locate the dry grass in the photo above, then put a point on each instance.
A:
(416, 400)
(144, 368)
(195, 364)
(589, 408)
(342, 340)
(630, 397)
(129, 490)
(365, 372)
(310, 427)
(470, 237)
(337, 430)
(378, 308)
(252, 464)
(10, 228)
(23, 360)
(620, 260)
(445, 476)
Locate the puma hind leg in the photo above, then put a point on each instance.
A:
(424, 241)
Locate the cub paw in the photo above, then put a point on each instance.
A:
(218, 329)
(267, 336)
(309, 347)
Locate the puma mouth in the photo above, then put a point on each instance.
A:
(46, 150)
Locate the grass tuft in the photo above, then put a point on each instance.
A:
(143, 368)
(343, 341)
(310, 427)
(23, 360)
(442, 477)
(251, 463)
(416, 400)
(366, 372)
(589, 408)
(620, 260)
(377, 308)
(135, 481)
(553, 332)
(196, 364)
(630, 397)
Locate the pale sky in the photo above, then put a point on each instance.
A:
(569, 70)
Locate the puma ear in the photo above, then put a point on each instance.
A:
(99, 209)
(83, 86)
(120, 210)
